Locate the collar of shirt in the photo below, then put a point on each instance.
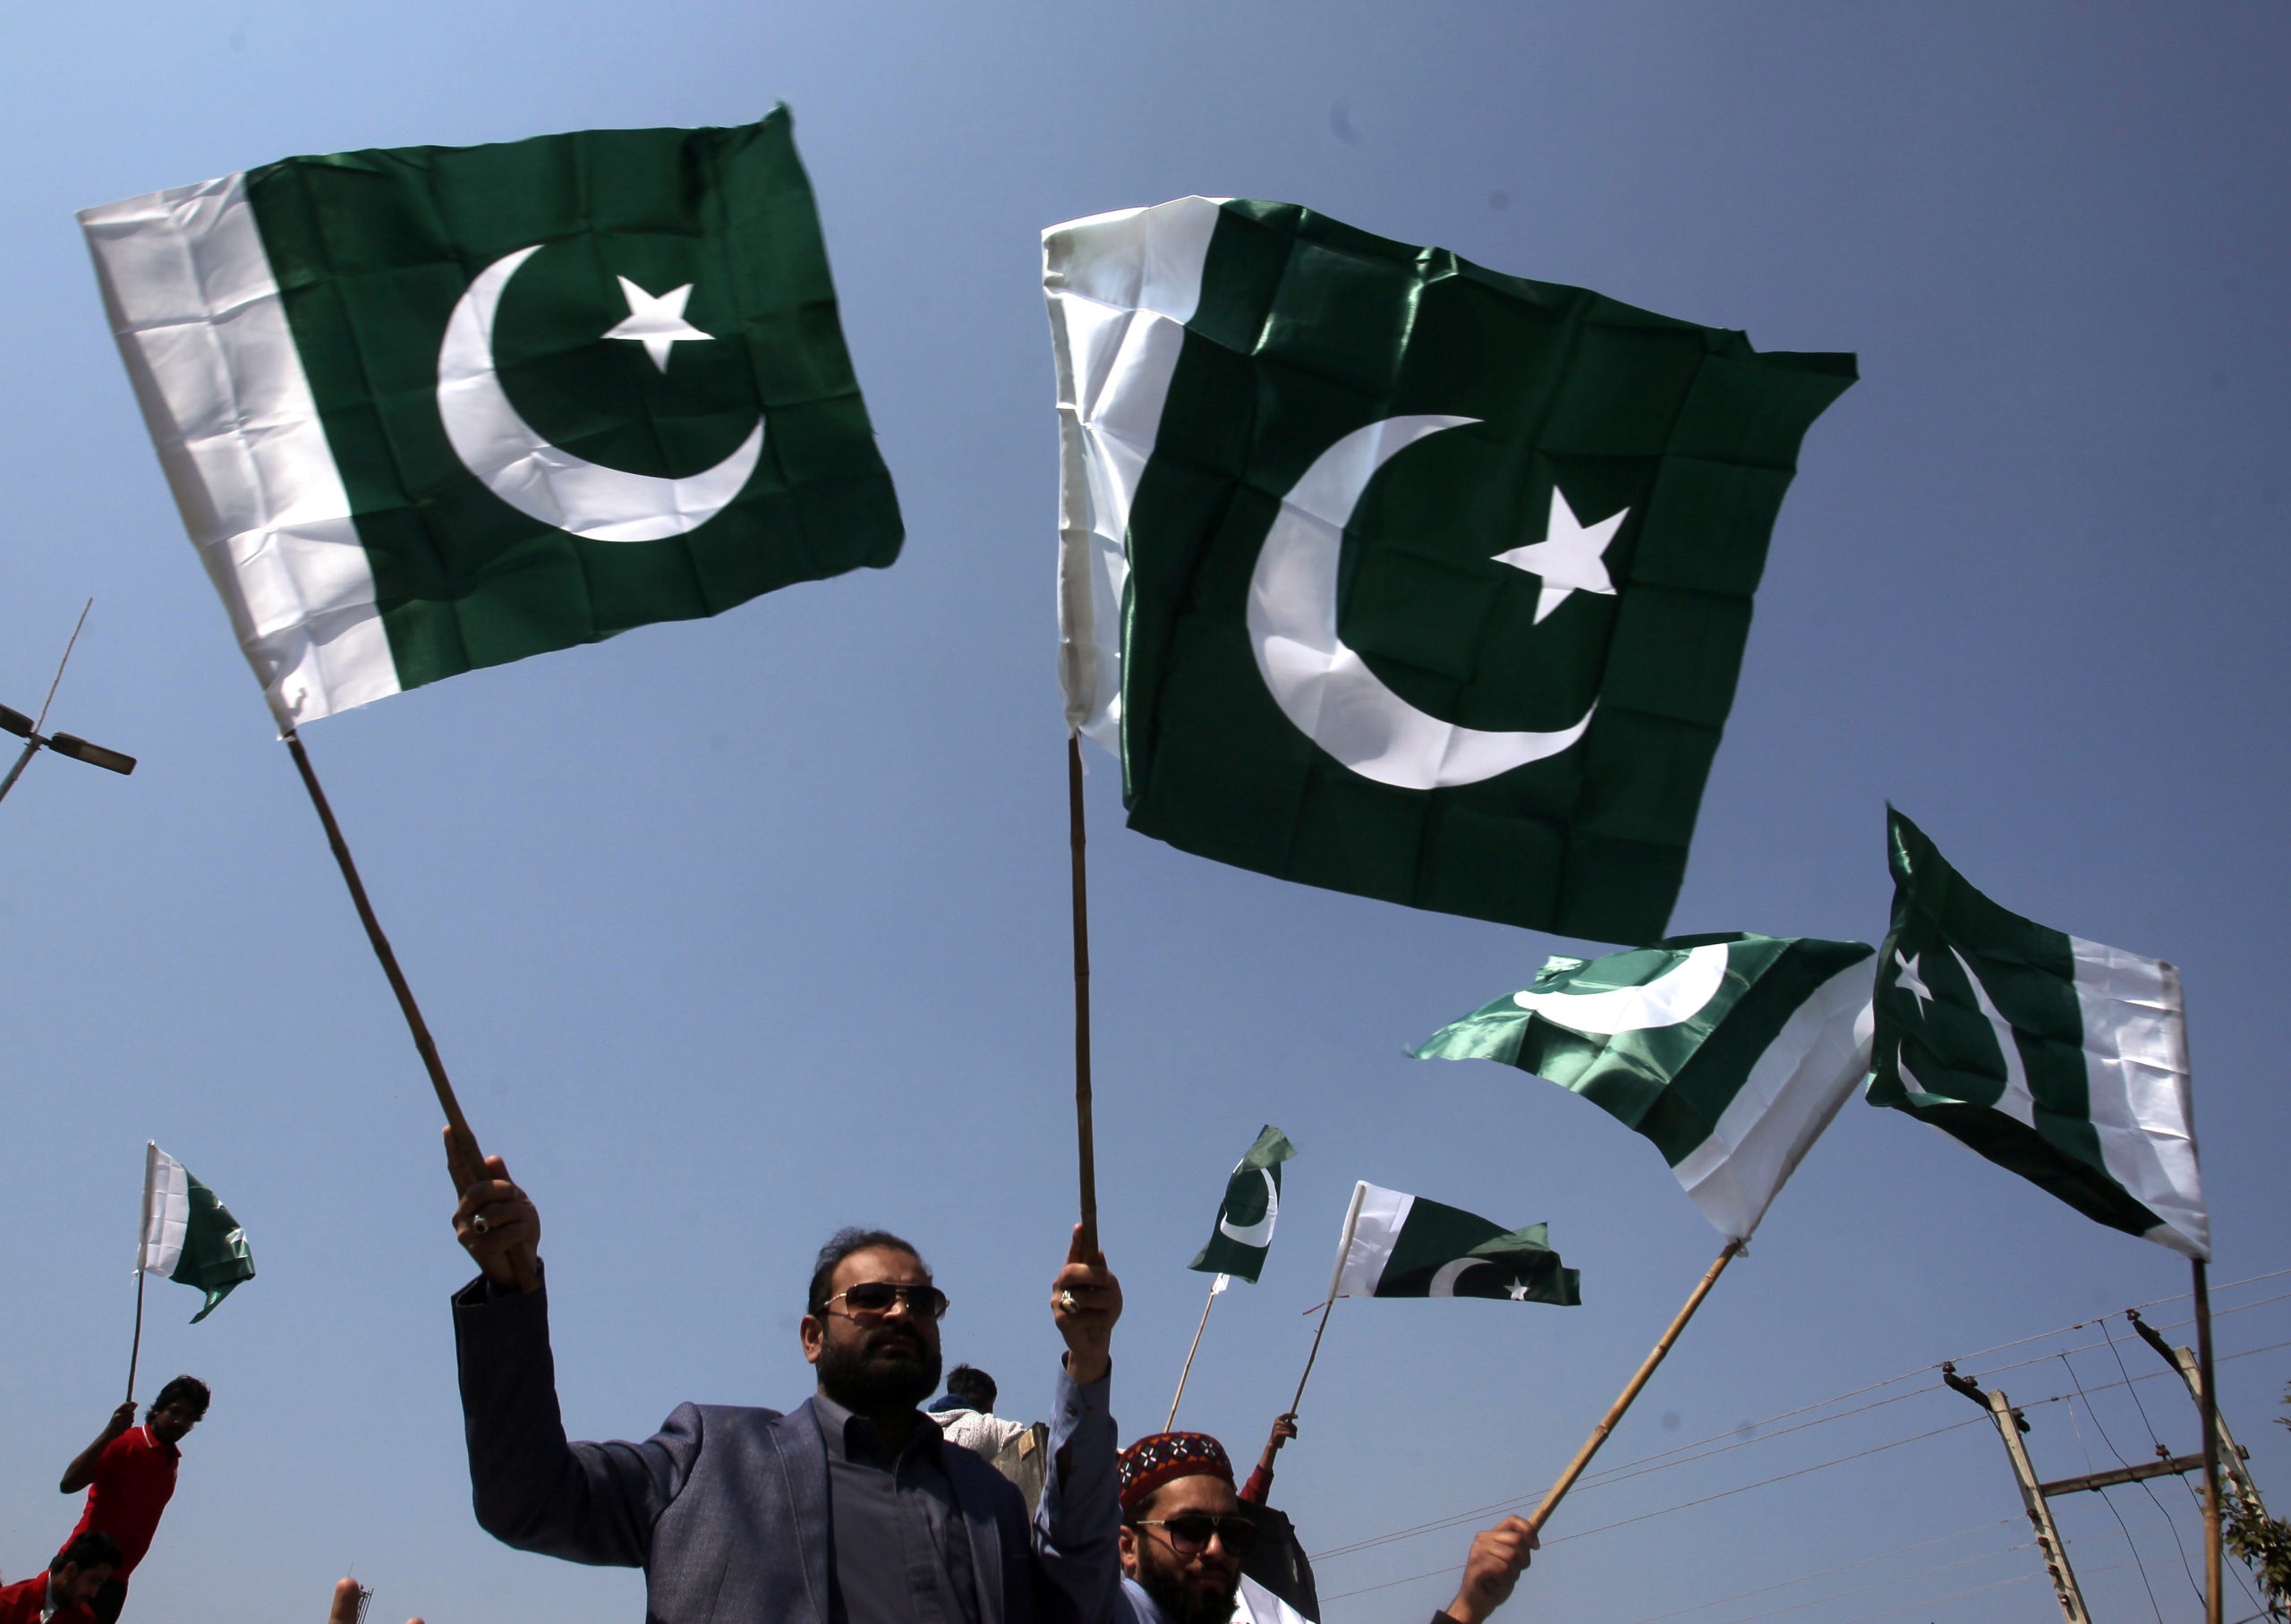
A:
(151, 1440)
(850, 1437)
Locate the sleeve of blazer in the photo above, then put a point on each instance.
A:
(1078, 1556)
(584, 1503)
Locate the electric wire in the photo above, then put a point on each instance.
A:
(2115, 1511)
(2186, 1567)
(1744, 1595)
(1461, 1517)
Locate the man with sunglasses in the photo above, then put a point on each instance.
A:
(1185, 1535)
(851, 1509)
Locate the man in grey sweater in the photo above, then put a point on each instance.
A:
(849, 1509)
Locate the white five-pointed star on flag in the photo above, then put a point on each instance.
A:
(658, 324)
(1519, 1290)
(1910, 982)
(1568, 557)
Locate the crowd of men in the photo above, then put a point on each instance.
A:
(857, 1506)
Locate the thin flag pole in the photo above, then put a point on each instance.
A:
(2211, 1563)
(1085, 1146)
(1337, 1278)
(142, 1239)
(135, 1349)
(1607, 1423)
(1171, 1424)
(457, 1125)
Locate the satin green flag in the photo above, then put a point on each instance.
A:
(428, 409)
(1389, 573)
(1250, 1208)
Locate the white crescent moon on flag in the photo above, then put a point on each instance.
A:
(1323, 686)
(1671, 997)
(545, 481)
(1443, 1284)
(1259, 1234)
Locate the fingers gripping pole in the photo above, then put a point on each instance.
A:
(1614, 1414)
(457, 1125)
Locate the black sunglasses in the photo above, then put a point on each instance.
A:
(874, 1300)
(1189, 1536)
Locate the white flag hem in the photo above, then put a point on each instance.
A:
(1371, 1229)
(2136, 1058)
(203, 331)
(1120, 288)
(166, 1212)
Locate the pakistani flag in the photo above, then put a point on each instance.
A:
(1388, 573)
(2059, 1058)
(1245, 1218)
(189, 1236)
(1404, 1246)
(1732, 1053)
(434, 408)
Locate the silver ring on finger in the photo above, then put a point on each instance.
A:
(1066, 1301)
(479, 1224)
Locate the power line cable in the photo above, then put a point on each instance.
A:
(2091, 1465)
(1807, 1578)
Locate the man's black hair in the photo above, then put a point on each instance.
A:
(187, 1390)
(841, 1245)
(93, 1549)
(975, 1388)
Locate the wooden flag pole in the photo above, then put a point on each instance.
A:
(1085, 1147)
(1607, 1423)
(135, 1349)
(2210, 1397)
(457, 1125)
(1171, 1424)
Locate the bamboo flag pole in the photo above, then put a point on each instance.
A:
(2211, 1563)
(1086, 1148)
(457, 1125)
(1607, 1423)
(1215, 1287)
(143, 1237)
(1337, 1278)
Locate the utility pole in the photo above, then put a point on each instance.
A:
(2010, 1425)
(2232, 1455)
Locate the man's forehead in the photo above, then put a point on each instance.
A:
(886, 1263)
(1200, 1492)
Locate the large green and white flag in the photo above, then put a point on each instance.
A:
(1251, 1206)
(1388, 573)
(1732, 1053)
(1404, 1246)
(433, 408)
(188, 1236)
(2059, 1058)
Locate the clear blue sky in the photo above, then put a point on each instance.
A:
(738, 931)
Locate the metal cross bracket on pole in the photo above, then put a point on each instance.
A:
(2233, 1456)
(2010, 1425)
(28, 729)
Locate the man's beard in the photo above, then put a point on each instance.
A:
(868, 1380)
(1179, 1603)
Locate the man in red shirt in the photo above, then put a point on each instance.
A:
(129, 1473)
(61, 1595)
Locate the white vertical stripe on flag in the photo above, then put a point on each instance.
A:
(1792, 1094)
(1370, 1230)
(2137, 1088)
(1120, 288)
(166, 1212)
(200, 324)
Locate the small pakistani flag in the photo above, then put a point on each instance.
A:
(189, 1236)
(434, 408)
(1732, 1053)
(1245, 1218)
(1391, 573)
(2059, 1058)
(1404, 1246)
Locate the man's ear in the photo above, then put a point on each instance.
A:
(813, 1332)
(1129, 1541)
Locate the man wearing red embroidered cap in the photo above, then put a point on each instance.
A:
(1185, 1535)
(129, 1475)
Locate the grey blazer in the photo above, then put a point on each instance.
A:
(726, 1508)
